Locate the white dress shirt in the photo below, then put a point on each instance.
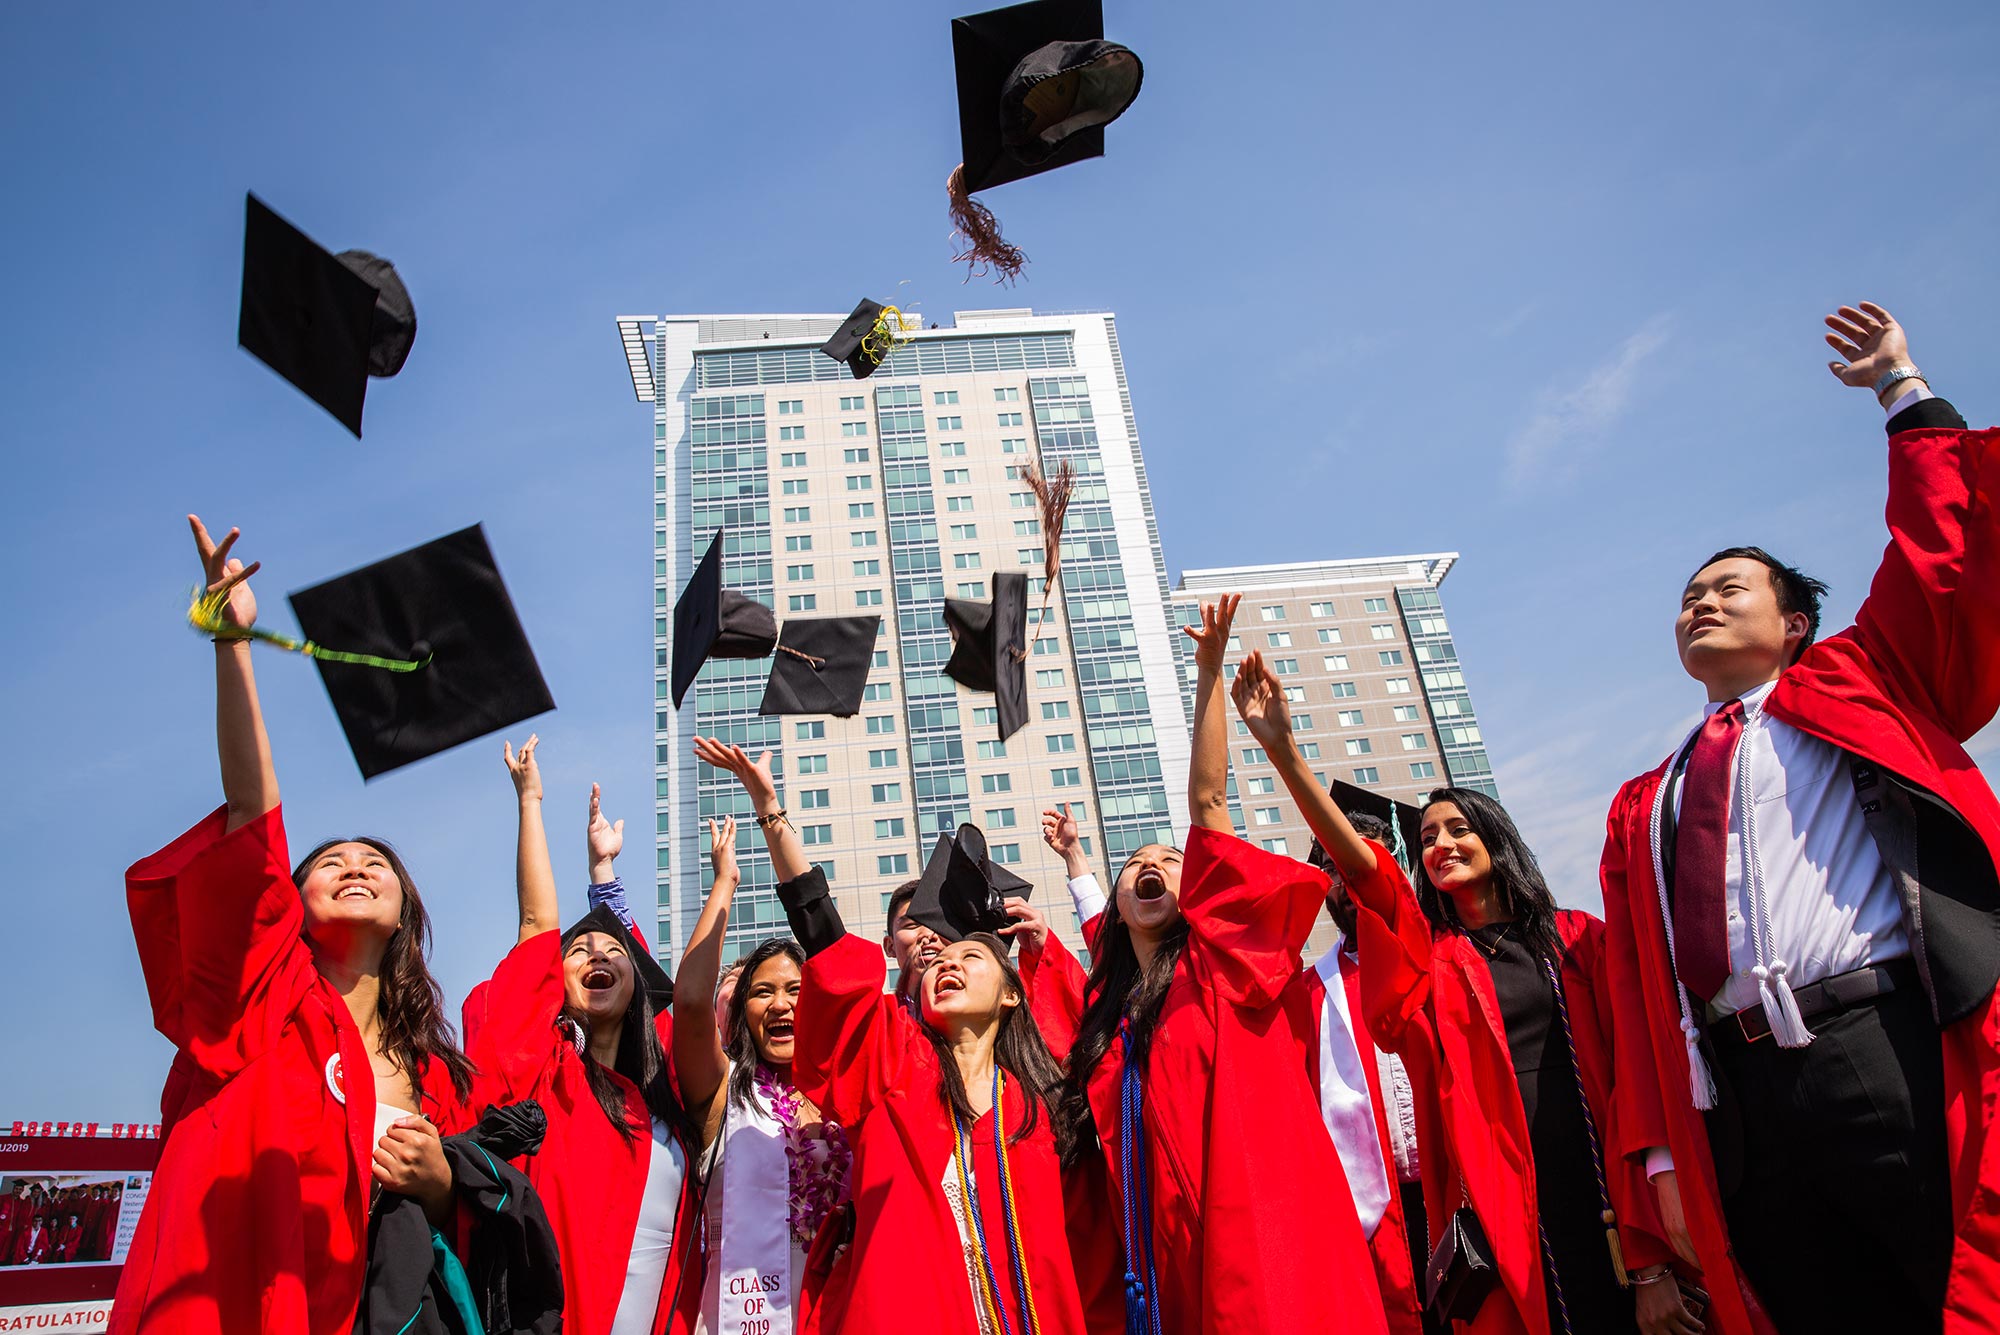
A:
(1830, 906)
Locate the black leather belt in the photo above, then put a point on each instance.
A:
(1828, 996)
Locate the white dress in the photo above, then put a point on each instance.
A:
(653, 1239)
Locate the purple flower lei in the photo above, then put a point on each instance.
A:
(817, 1164)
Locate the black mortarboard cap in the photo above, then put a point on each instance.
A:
(445, 602)
(1400, 817)
(1037, 84)
(659, 987)
(324, 322)
(821, 666)
(963, 890)
(847, 342)
(990, 646)
(713, 622)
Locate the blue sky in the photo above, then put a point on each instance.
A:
(1538, 284)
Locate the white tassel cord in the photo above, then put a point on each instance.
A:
(1701, 1082)
(1774, 987)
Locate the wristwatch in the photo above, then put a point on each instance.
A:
(1895, 375)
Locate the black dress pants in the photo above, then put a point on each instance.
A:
(1841, 1212)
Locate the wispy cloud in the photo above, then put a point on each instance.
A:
(1572, 415)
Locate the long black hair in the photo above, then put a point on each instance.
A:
(640, 1059)
(1517, 876)
(1119, 989)
(409, 1003)
(1018, 1049)
(742, 1049)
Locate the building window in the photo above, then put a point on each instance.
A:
(1006, 852)
(883, 759)
(1006, 395)
(1065, 778)
(859, 456)
(974, 589)
(991, 750)
(1052, 709)
(853, 403)
(880, 690)
(1266, 816)
(1001, 818)
(1350, 718)
(799, 542)
(1274, 613)
(868, 597)
(996, 783)
(1343, 690)
(802, 602)
(1295, 695)
(951, 424)
(1416, 741)
(942, 397)
(798, 572)
(812, 732)
(860, 482)
(1274, 846)
(1333, 663)
(815, 834)
(1285, 667)
(1262, 786)
(1061, 741)
(892, 864)
(1423, 769)
(1329, 635)
(853, 428)
(1407, 714)
(957, 504)
(951, 449)
(1359, 746)
(1009, 419)
(1368, 774)
(1397, 685)
(1374, 604)
(815, 799)
(1049, 677)
(791, 406)
(1322, 609)
(1015, 445)
(964, 532)
(1047, 647)
(881, 658)
(1021, 500)
(797, 486)
(1391, 657)
(965, 561)
(810, 765)
(1027, 528)
(1279, 639)
(1381, 632)
(872, 566)
(894, 827)
(881, 724)
(986, 717)
(1027, 556)
(1302, 722)
(1253, 755)
(1310, 750)
(861, 510)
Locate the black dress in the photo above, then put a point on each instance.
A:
(1565, 1178)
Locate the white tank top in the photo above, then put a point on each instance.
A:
(653, 1239)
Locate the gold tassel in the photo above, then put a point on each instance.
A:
(1617, 1252)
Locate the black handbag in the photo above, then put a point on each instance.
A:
(1460, 1273)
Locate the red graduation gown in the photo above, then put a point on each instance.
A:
(1905, 686)
(864, 1061)
(1253, 1224)
(590, 1178)
(1432, 1002)
(257, 1217)
(15, 1214)
(32, 1245)
(1390, 1246)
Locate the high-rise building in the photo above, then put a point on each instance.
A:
(842, 497)
(1371, 676)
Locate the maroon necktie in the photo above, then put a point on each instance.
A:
(1701, 853)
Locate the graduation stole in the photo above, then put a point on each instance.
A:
(1142, 1285)
(988, 1281)
(205, 615)
(754, 1259)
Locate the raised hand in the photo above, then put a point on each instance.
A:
(527, 775)
(1029, 927)
(220, 572)
(722, 850)
(606, 839)
(1212, 636)
(754, 775)
(1059, 832)
(1260, 700)
(1869, 342)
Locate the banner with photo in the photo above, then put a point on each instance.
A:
(68, 1207)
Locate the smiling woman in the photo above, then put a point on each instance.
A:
(299, 989)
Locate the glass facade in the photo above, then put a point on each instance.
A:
(1465, 760)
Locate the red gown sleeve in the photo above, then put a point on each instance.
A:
(854, 1041)
(218, 920)
(515, 1034)
(1931, 622)
(1249, 913)
(1055, 983)
(1394, 939)
(1637, 1103)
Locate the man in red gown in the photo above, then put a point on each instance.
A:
(1803, 905)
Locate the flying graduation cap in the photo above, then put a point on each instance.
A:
(713, 622)
(324, 322)
(1037, 84)
(963, 890)
(867, 337)
(989, 649)
(431, 653)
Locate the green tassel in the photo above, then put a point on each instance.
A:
(205, 615)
